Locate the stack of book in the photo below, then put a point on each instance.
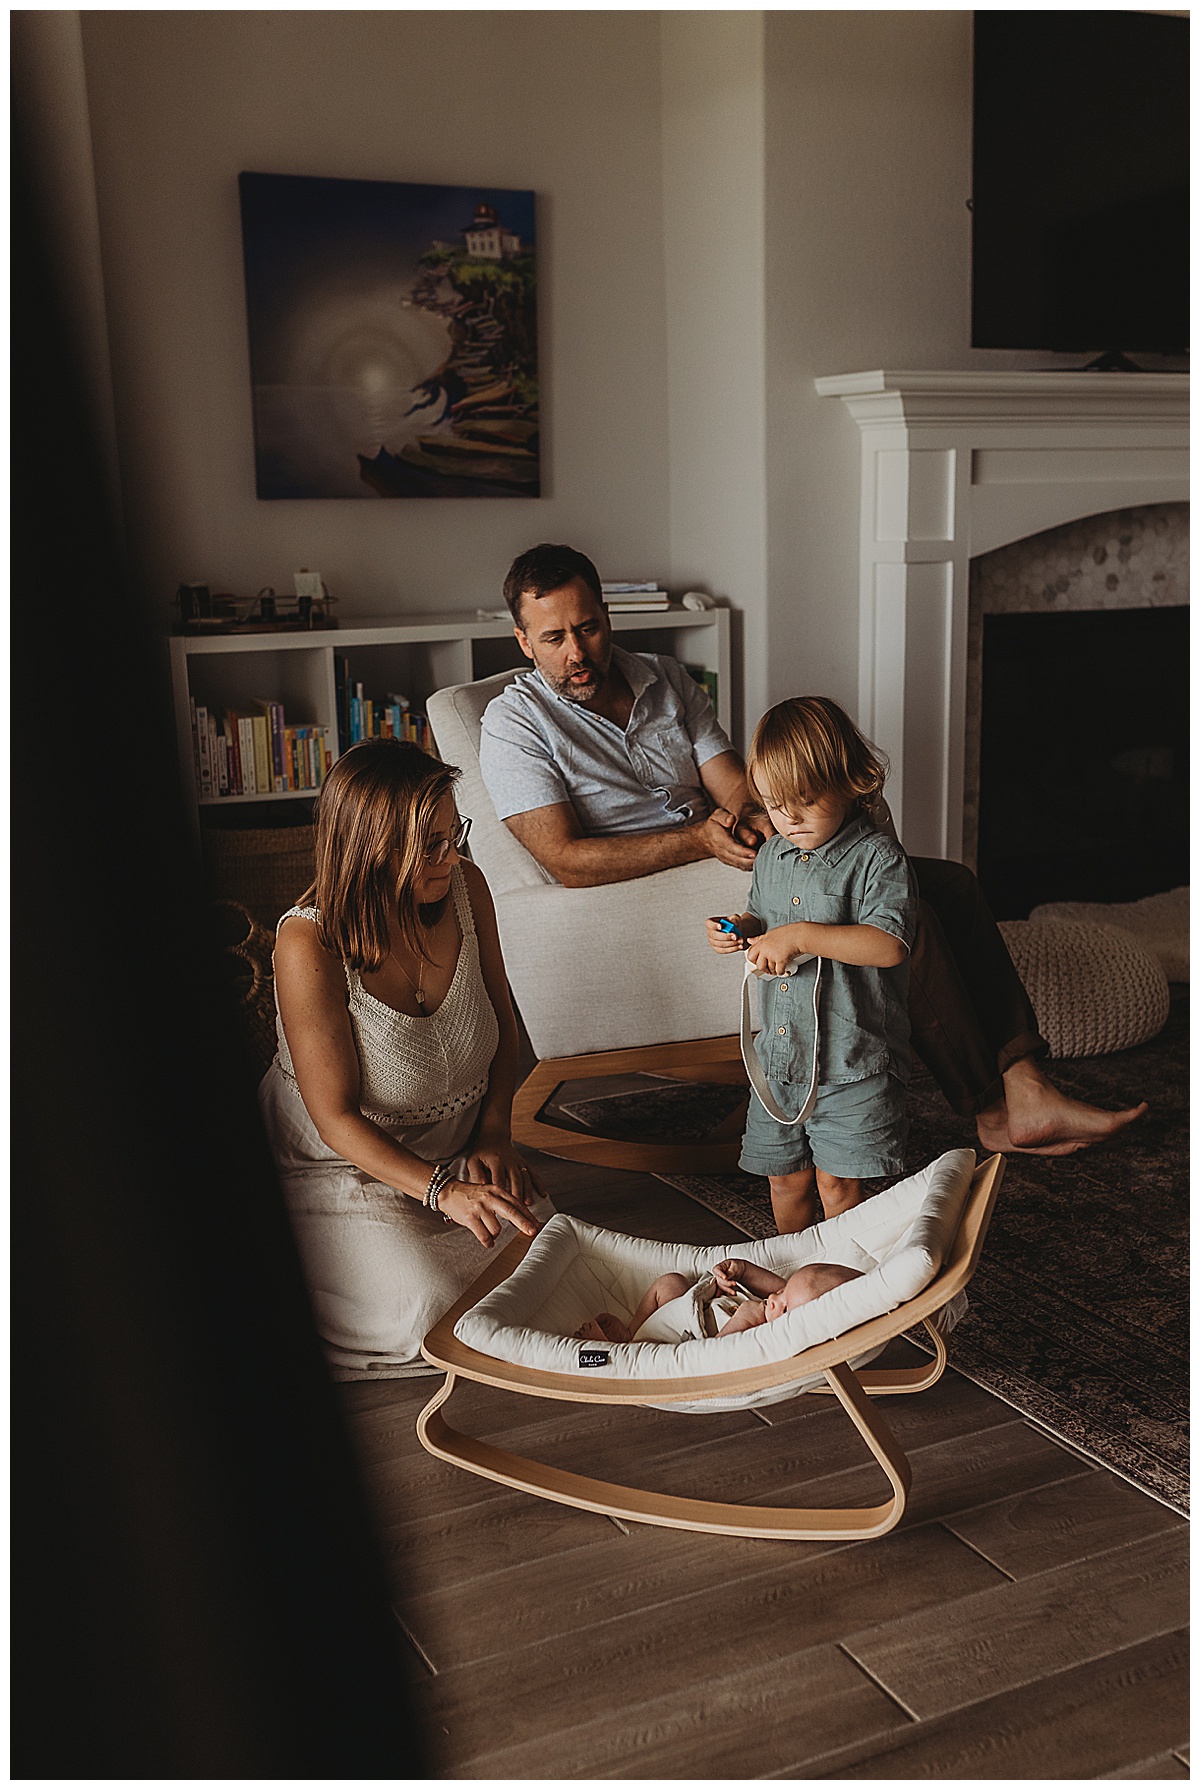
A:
(360, 717)
(242, 754)
(621, 596)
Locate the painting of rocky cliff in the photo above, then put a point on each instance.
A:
(393, 338)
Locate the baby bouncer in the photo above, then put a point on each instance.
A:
(916, 1246)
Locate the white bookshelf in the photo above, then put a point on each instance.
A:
(417, 654)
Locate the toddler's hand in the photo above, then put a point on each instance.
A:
(723, 941)
(774, 950)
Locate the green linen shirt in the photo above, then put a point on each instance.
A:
(860, 877)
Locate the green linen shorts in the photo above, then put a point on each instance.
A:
(857, 1129)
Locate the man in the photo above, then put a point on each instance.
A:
(608, 765)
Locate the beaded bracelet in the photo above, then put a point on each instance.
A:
(440, 1178)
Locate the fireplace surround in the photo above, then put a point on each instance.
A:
(954, 465)
(1124, 560)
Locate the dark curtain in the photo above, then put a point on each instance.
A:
(197, 1588)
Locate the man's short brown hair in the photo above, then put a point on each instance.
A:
(544, 568)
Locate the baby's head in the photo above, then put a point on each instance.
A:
(810, 766)
(807, 1284)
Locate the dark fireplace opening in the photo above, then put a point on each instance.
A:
(1083, 763)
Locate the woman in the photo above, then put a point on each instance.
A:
(388, 1103)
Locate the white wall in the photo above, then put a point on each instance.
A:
(713, 185)
(730, 204)
(567, 104)
(868, 171)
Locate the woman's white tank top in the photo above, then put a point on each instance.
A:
(418, 1069)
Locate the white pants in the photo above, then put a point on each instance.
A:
(381, 1269)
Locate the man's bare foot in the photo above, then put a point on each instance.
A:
(1037, 1118)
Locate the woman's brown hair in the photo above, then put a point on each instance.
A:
(808, 747)
(380, 798)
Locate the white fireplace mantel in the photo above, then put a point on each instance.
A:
(954, 464)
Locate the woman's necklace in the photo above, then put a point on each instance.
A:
(417, 987)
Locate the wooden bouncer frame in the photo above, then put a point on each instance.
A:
(693, 1059)
(855, 1390)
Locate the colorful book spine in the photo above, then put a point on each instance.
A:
(202, 745)
(245, 725)
(341, 686)
(233, 753)
(262, 755)
(272, 713)
(212, 752)
(195, 741)
(706, 679)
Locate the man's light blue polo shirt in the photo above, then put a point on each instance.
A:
(860, 877)
(537, 749)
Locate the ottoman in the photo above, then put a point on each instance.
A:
(1094, 988)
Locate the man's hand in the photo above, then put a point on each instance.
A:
(753, 827)
(720, 835)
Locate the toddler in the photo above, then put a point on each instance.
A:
(831, 884)
(737, 1295)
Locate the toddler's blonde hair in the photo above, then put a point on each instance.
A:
(808, 747)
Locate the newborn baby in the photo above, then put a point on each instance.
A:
(736, 1295)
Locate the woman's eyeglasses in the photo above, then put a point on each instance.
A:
(439, 851)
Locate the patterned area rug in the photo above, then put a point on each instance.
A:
(1079, 1307)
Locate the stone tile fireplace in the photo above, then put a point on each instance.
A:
(1103, 696)
(953, 467)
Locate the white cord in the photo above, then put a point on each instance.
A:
(754, 1069)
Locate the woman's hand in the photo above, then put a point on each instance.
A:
(500, 1164)
(482, 1209)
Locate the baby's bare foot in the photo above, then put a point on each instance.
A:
(604, 1327)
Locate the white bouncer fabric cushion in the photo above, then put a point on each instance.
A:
(572, 1270)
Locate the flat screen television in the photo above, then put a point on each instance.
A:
(1080, 182)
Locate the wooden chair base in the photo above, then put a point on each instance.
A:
(769, 1523)
(696, 1059)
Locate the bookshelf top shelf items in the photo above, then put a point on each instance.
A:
(388, 630)
(416, 654)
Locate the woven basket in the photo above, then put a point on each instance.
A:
(263, 869)
(1094, 988)
(245, 958)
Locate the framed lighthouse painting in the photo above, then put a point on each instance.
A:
(393, 338)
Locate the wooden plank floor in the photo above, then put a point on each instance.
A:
(1026, 1620)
